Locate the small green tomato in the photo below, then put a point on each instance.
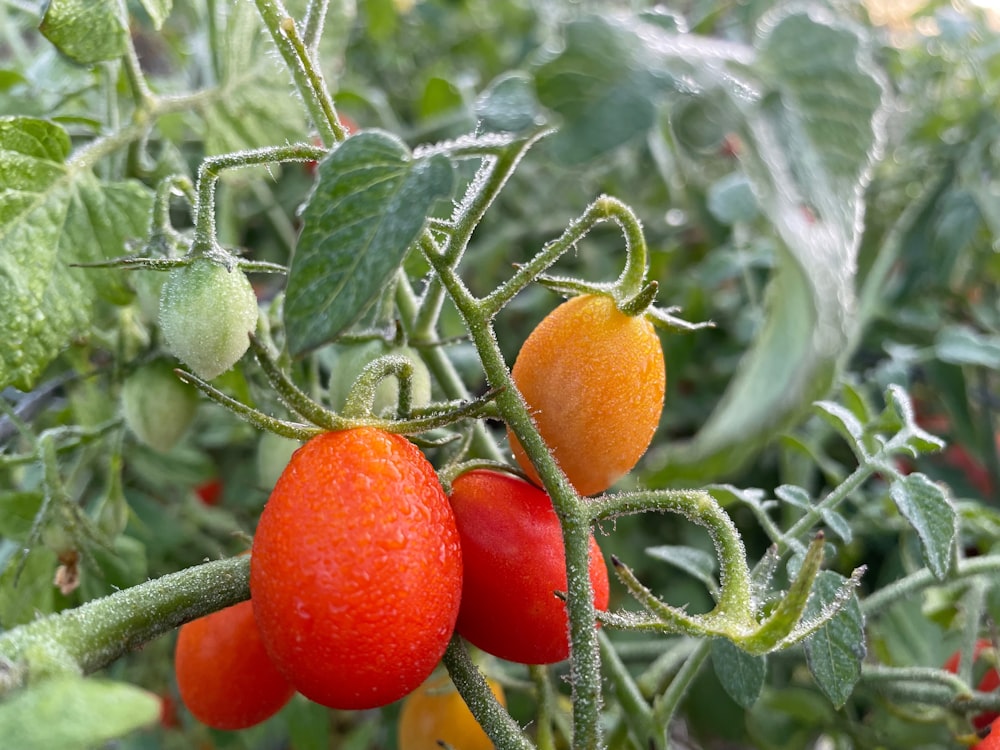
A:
(158, 407)
(207, 314)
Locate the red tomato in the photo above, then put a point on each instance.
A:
(209, 492)
(224, 676)
(990, 681)
(356, 571)
(513, 560)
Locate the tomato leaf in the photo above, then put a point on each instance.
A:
(257, 107)
(695, 562)
(811, 133)
(741, 674)
(962, 345)
(835, 652)
(70, 712)
(54, 215)
(932, 515)
(87, 31)
(603, 71)
(370, 203)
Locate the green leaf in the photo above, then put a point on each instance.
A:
(932, 515)
(741, 674)
(731, 199)
(256, 106)
(835, 652)
(26, 588)
(158, 11)
(87, 31)
(962, 345)
(508, 105)
(17, 513)
(74, 712)
(812, 129)
(603, 71)
(695, 562)
(52, 216)
(369, 205)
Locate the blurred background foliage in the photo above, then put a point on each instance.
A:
(926, 314)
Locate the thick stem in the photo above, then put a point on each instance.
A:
(100, 631)
(585, 672)
(476, 693)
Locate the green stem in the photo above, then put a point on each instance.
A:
(603, 209)
(307, 76)
(841, 492)
(735, 597)
(213, 166)
(669, 702)
(102, 630)
(476, 693)
(885, 597)
(585, 674)
(493, 175)
(544, 735)
(442, 368)
(638, 713)
(313, 23)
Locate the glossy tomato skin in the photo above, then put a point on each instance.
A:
(992, 740)
(224, 675)
(435, 713)
(513, 556)
(594, 381)
(990, 681)
(356, 571)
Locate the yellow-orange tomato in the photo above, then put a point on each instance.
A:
(435, 713)
(594, 380)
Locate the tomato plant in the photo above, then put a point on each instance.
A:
(224, 675)
(356, 571)
(435, 715)
(207, 312)
(989, 681)
(512, 553)
(594, 380)
(157, 406)
(347, 362)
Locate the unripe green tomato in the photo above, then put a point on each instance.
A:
(207, 314)
(347, 363)
(273, 454)
(158, 407)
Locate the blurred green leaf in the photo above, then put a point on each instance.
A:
(158, 11)
(17, 513)
(87, 31)
(370, 203)
(66, 713)
(508, 105)
(932, 515)
(812, 133)
(835, 652)
(962, 345)
(26, 588)
(741, 674)
(603, 72)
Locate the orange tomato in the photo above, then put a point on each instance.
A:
(594, 380)
(435, 713)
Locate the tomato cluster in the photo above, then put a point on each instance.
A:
(362, 567)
